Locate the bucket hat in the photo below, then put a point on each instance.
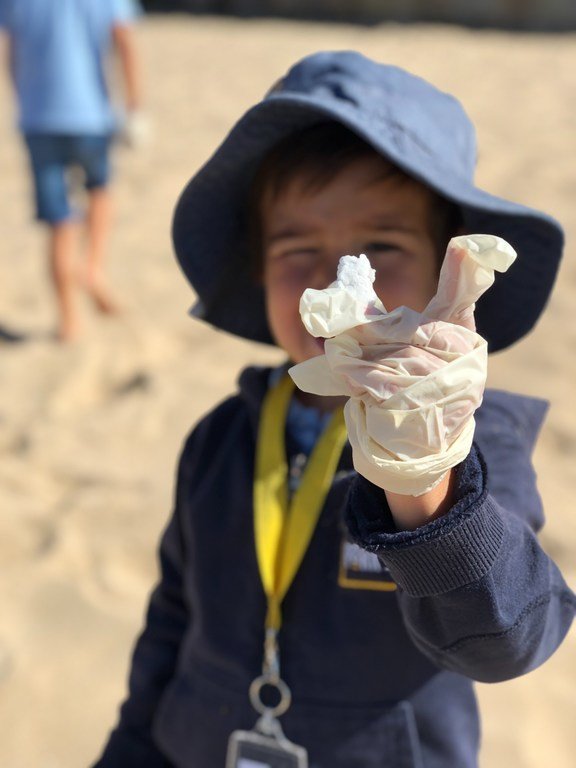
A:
(424, 131)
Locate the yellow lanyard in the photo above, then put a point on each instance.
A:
(282, 530)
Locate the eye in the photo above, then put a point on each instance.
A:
(304, 253)
(379, 248)
(294, 261)
(295, 254)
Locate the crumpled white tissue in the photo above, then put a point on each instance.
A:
(413, 379)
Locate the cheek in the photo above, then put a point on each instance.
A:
(397, 283)
(286, 286)
(282, 304)
(413, 287)
(283, 294)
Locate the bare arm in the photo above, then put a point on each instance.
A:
(7, 52)
(123, 37)
(410, 512)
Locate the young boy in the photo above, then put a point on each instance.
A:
(58, 54)
(291, 586)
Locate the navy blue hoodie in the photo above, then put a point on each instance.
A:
(383, 631)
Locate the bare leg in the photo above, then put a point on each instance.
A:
(60, 252)
(98, 222)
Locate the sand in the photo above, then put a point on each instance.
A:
(89, 433)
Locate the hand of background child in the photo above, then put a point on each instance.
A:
(136, 129)
(414, 379)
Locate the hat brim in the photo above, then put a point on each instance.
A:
(209, 240)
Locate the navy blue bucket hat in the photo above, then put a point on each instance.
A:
(424, 131)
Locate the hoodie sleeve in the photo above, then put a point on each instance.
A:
(478, 594)
(155, 655)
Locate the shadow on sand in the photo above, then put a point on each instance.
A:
(11, 336)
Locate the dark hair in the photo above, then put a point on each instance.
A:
(315, 155)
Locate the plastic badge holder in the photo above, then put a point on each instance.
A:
(250, 749)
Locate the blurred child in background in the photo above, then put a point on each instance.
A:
(58, 54)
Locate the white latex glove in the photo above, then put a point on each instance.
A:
(414, 379)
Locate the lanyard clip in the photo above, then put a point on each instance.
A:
(271, 662)
(270, 678)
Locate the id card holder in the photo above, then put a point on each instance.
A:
(250, 749)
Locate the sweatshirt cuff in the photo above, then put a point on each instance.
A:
(450, 552)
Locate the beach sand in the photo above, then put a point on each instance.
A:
(89, 433)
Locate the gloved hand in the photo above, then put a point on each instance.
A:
(414, 379)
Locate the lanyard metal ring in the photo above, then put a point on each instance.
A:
(283, 691)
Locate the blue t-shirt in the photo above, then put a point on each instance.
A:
(59, 52)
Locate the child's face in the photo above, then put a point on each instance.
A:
(363, 209)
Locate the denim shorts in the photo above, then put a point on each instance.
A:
(52, 156)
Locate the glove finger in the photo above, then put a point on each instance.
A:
(314, 375)
(467, 272)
